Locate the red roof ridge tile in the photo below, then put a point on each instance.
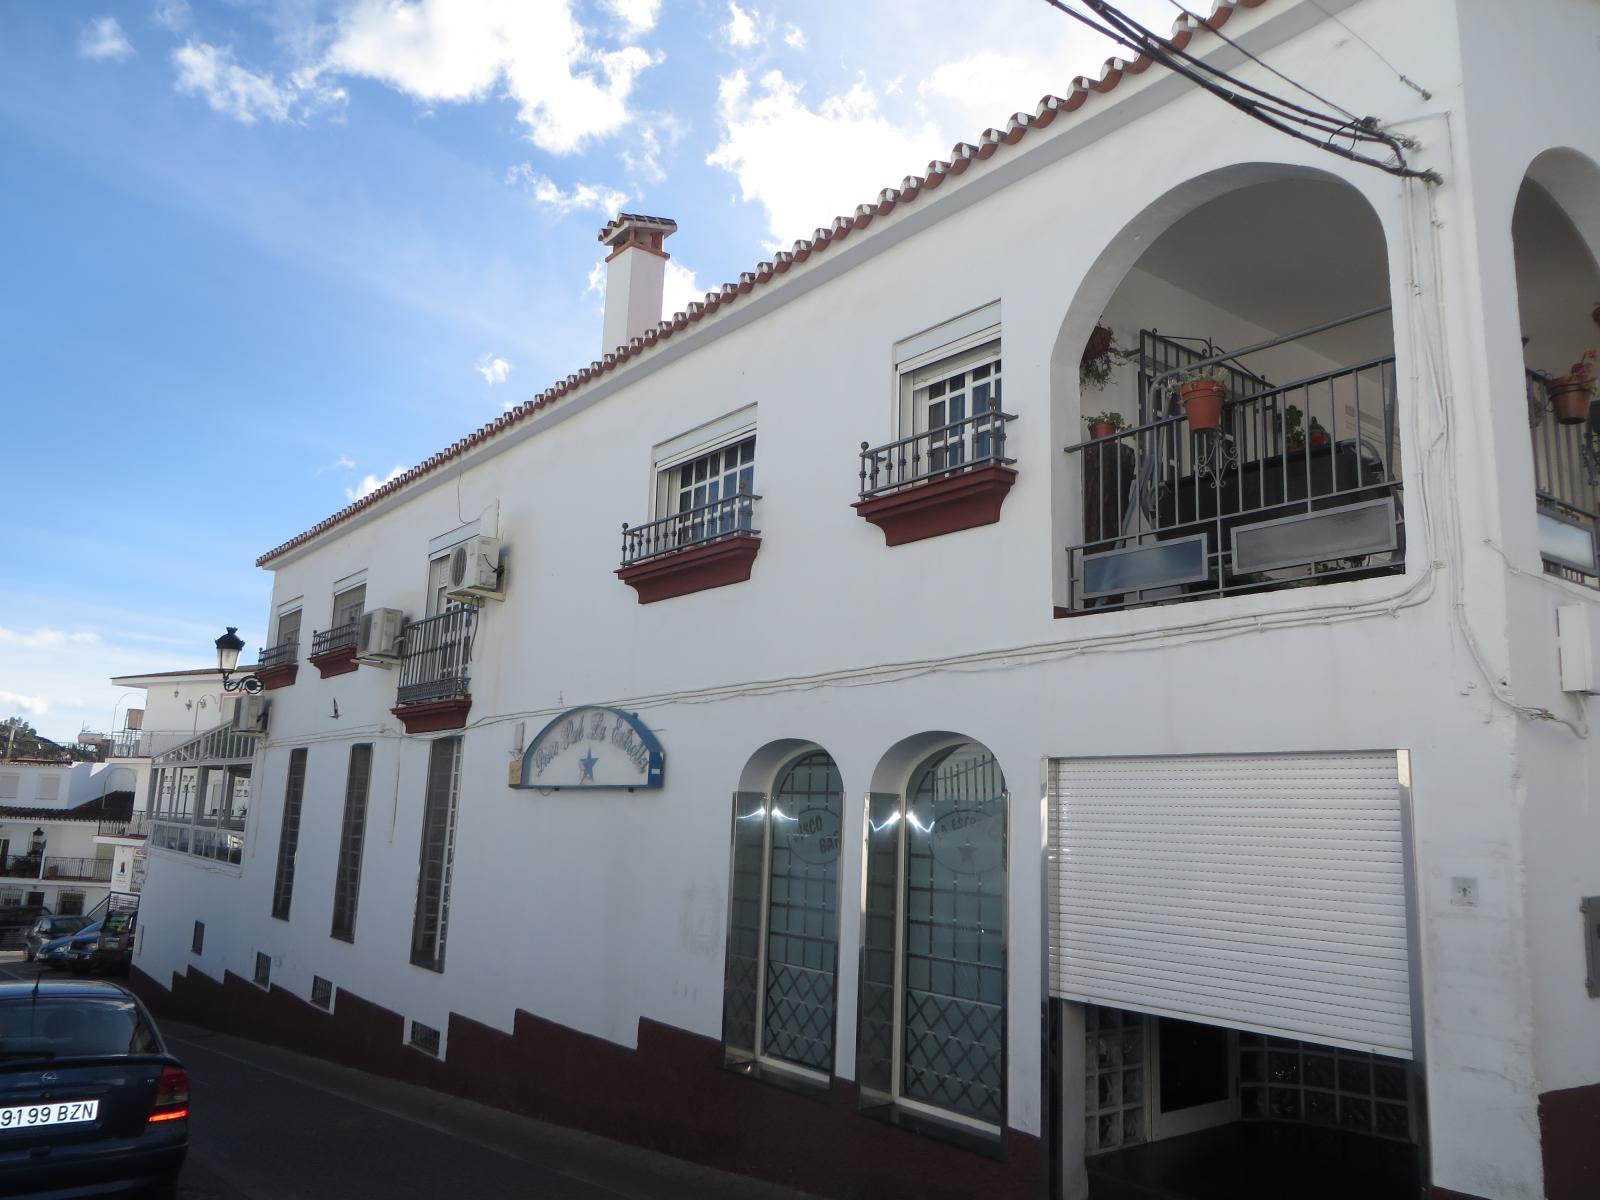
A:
(962, 156)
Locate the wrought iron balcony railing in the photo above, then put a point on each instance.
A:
(135, 826)
(326, 641)
(280, 655)
(732, 516)
(435, 657)
(1566, 482)
(1301, 483)
(89, 870)
(977, 441)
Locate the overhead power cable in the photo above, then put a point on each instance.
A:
(1326, 131)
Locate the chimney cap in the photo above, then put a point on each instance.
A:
(625, 223)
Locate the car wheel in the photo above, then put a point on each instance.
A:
(30, 954)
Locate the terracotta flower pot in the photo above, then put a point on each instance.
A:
(1100, 429)
(1202, 402)
(1570, 398)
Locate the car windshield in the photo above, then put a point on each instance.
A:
(73, 1027)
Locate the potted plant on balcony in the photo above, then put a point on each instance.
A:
(1203, 391)
(1571, 394)
(1104, 424)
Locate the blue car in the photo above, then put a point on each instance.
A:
(54, 954)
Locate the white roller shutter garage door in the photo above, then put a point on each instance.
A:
(1261, 892)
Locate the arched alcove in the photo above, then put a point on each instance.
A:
(1268, 286)
(1555, 232)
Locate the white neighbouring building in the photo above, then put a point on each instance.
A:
(989, 809)
(68, 832)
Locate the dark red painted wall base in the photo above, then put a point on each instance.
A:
(926, 510)
(1569, 1138)
(1440, 1193)
(670, 1094)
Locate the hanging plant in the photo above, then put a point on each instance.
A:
(1573, 393)
(1101, 357)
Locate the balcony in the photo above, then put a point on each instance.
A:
(135, 826)
(278, 665)
(1296, 484)
(33, 866)
(951, 478)
(333, 651)
(709, 546)
(436, 652)
(1566, 481)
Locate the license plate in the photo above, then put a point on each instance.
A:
(69, 1112)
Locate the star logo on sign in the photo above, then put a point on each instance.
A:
(587, 762)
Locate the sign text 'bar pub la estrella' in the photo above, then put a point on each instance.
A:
(591, 747)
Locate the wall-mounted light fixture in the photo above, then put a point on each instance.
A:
(228, 647)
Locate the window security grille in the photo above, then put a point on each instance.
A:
(197, 943)
(289, 838)
(347, 880)
(321, 991)
(263, 975)
(436, 855)
(425, 1038)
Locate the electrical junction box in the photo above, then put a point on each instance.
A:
(1578, 644)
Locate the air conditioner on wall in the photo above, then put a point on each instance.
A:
(379, 642)
(475, 569)
(250, 715)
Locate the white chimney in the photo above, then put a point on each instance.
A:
(636, 272)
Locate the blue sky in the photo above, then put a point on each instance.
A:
(262, 253)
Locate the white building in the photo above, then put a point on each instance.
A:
(1256, 759)
(68, 833)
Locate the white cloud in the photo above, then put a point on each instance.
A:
(741, 27)
(549, 196)
(454, 51)
(245, 95)
(371, 483)
(795, 38)
(807, 165)
(171, 14)
(102, 40)
(14, 704)
(644, 150)
(638, 16)
(44, 637)
(987, 87)
(493, 368)
(345, 463)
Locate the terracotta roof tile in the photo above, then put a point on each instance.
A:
(962, 155)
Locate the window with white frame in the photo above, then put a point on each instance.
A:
(49, 788)
(288, 629)
(708, 495)
(933, 970)
(950, 381)
(348, 605)
(438, 584)
(783, 923)
(9, 785)
(431, 918)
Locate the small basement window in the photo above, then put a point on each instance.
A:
(263, 975)
(197, 943)
(424, 1038)
(321, 992)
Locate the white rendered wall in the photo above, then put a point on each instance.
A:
(619, 900)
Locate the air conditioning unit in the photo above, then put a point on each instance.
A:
(250, 716)
(475, 569)
(380, 636)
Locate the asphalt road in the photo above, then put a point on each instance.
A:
(272, 1125)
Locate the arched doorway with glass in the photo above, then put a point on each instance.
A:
(932, 1042)
(780, 994)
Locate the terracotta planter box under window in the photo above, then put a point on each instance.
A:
(434, 716)
(924, 510)
(692, 569)
(279, 676)
(336, 662)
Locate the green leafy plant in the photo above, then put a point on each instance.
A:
(1294, 427)
(1209, 373)
(1114, 419)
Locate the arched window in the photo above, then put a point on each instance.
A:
(933, 979)
(783, 930)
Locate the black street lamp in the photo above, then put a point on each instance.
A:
(228, 647)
